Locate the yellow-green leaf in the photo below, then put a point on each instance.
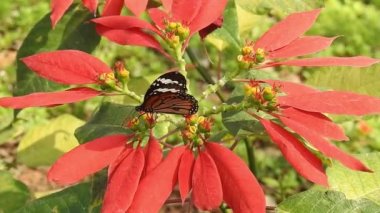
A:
(43, 144)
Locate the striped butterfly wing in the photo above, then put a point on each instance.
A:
(167, 94)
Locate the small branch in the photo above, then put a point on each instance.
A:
(226, 107)
(251, 156)
(203, 71)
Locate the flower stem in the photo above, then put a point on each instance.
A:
(227, 107)
(133, 95)
(204, 73)
(251, 156)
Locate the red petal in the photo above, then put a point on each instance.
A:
(86, 159)
(241, 191)
(302, 46)
(167, 4)
(303, 161)
(207, 187)
(58, 8)
(156, 187)
(131, 37)
(123, 184)
(323, 145)
(115, 164)
(357, 61)
(136, 7)
(43, 99)
(334, 102)
(90, 5)
(287, 30)
(123, 23)
(113, 7)
(317, 122)
(185, 171)
(158, 17)
(209, 12)
(291, 88)
(67, 66)
(185, 11)
(203, 33)
(153, 155)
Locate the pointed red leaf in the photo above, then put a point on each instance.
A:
(123, 23)
(131, 37)
(153, 155)
(86, 159)
(302, 46)
(91, 5)
(185, 11)
(291, 88)
(123, 184)
(323, 145)
(67, 66)
(185, 172)
(156, 187)
(317, 122)
(209, 12)
(357, 61)
(167, 5)
(136, 7)
(207, 186)
(287, 30)
(203, 33)
(44, 99)
(58, 8)
(241, 191)
(128, 148)
(158, 17)
(303, 161)
(334, 102)
(113, 7)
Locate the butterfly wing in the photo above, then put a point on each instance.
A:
(171, 81)
(167, 94)
(171, 103)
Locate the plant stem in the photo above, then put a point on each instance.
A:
(227, 107)
(251, 156)
(204, 73)
(133, 95)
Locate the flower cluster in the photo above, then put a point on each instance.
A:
(286, 39)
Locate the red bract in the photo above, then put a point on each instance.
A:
(301, 111)
(64, 67)
(59, 7)
(286, 39)
(127, 166)
(180, 20)
(216, 174)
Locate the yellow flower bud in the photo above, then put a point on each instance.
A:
(268, 93)
(246, 50)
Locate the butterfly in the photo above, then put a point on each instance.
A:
(167, 94)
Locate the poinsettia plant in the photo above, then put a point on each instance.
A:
(144, 168)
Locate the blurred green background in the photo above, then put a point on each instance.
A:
(356, 21)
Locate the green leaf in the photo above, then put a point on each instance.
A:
(78, 199)
(107, 120)
(228, 34)
(318, 200)
(13, 193)
(43, 144)
(356, 184)
(74, 31)
(240, 122)
(278, 7)
(360, 80)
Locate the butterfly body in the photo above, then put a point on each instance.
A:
(168, 94)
